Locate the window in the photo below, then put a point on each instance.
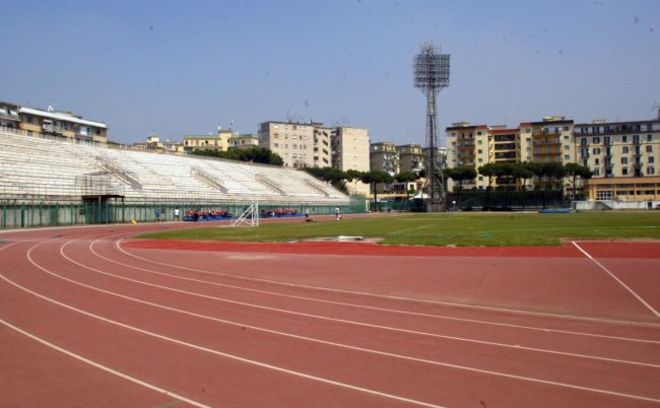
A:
(479, 141)
(649, 138)
(479, 151)
(624, 139)
(567, 147)
(566, 137)
(567, 157)
(624, 160)
(566, 128)
(583, 141)
(479, 133)
(596, 171)
(650, 170)
(649, 149)
(625, 149)
(596, 150)
(651, 159)
(596, 140)
(624, 171)
(596, 161)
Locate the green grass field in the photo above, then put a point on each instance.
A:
(460, 229)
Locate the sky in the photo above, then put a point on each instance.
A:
(186, 67)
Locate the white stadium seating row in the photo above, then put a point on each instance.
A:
(38, 167)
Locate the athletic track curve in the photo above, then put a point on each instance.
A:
(91, 317)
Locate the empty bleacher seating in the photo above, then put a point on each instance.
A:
(41, 168)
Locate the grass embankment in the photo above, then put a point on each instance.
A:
(464, 229)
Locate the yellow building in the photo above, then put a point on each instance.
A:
(218, 141)
(350, 151)
(243, 141)
(64, 125)
(623, 189)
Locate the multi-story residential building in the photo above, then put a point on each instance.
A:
(468, 145)
(299, 144)
(53, 123)
(218, 141)
(383, 156)
(622, 152)
(411, 158)
(153, 142)
(622, 157)
(350, 151)
(243, 141)
(552, 140)
(9, 117)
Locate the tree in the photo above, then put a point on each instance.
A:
(406, 177)
(575, 170)
(522, 171)
(331, 175)
(460, 174)
(256, 154)
(374, 178)
(488, 170)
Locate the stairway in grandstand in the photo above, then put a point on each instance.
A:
(32, 167)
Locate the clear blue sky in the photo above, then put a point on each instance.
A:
(180, 67)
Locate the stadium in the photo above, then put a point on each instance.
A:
(50, 182)
(115, 315)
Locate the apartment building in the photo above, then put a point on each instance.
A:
(551, 139)
(617, 151)
(52, 123)
(243, 141)
(468, 145)
(622, 157)
(218, 141)
(300, 144)
(9, 117)
(350, 151)
(412, 158)
(383, 156)
(154, 143)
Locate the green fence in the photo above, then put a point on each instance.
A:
(494, 200)
(42, 214)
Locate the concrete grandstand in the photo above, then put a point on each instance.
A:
(119, 185)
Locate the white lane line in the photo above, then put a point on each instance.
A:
(104, 368)
(317, 317)
(613, 276)
(391, 297)
(356, 305)
(209, 350)
(311, 377)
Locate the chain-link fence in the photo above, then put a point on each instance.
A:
(26, 214)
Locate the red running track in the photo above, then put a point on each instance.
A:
(91, 318)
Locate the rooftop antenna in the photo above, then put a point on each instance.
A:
(656, 106)
(431, 74)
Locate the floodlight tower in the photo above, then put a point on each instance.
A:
(431, 75)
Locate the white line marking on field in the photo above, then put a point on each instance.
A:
(613, 276)
(314, 316)
(392, 297)
(104, 368)
(308, 376)
(217, 352)
(444, 317)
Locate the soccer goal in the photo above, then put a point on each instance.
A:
(250, 216)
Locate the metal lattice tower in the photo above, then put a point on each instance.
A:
(431, 70)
